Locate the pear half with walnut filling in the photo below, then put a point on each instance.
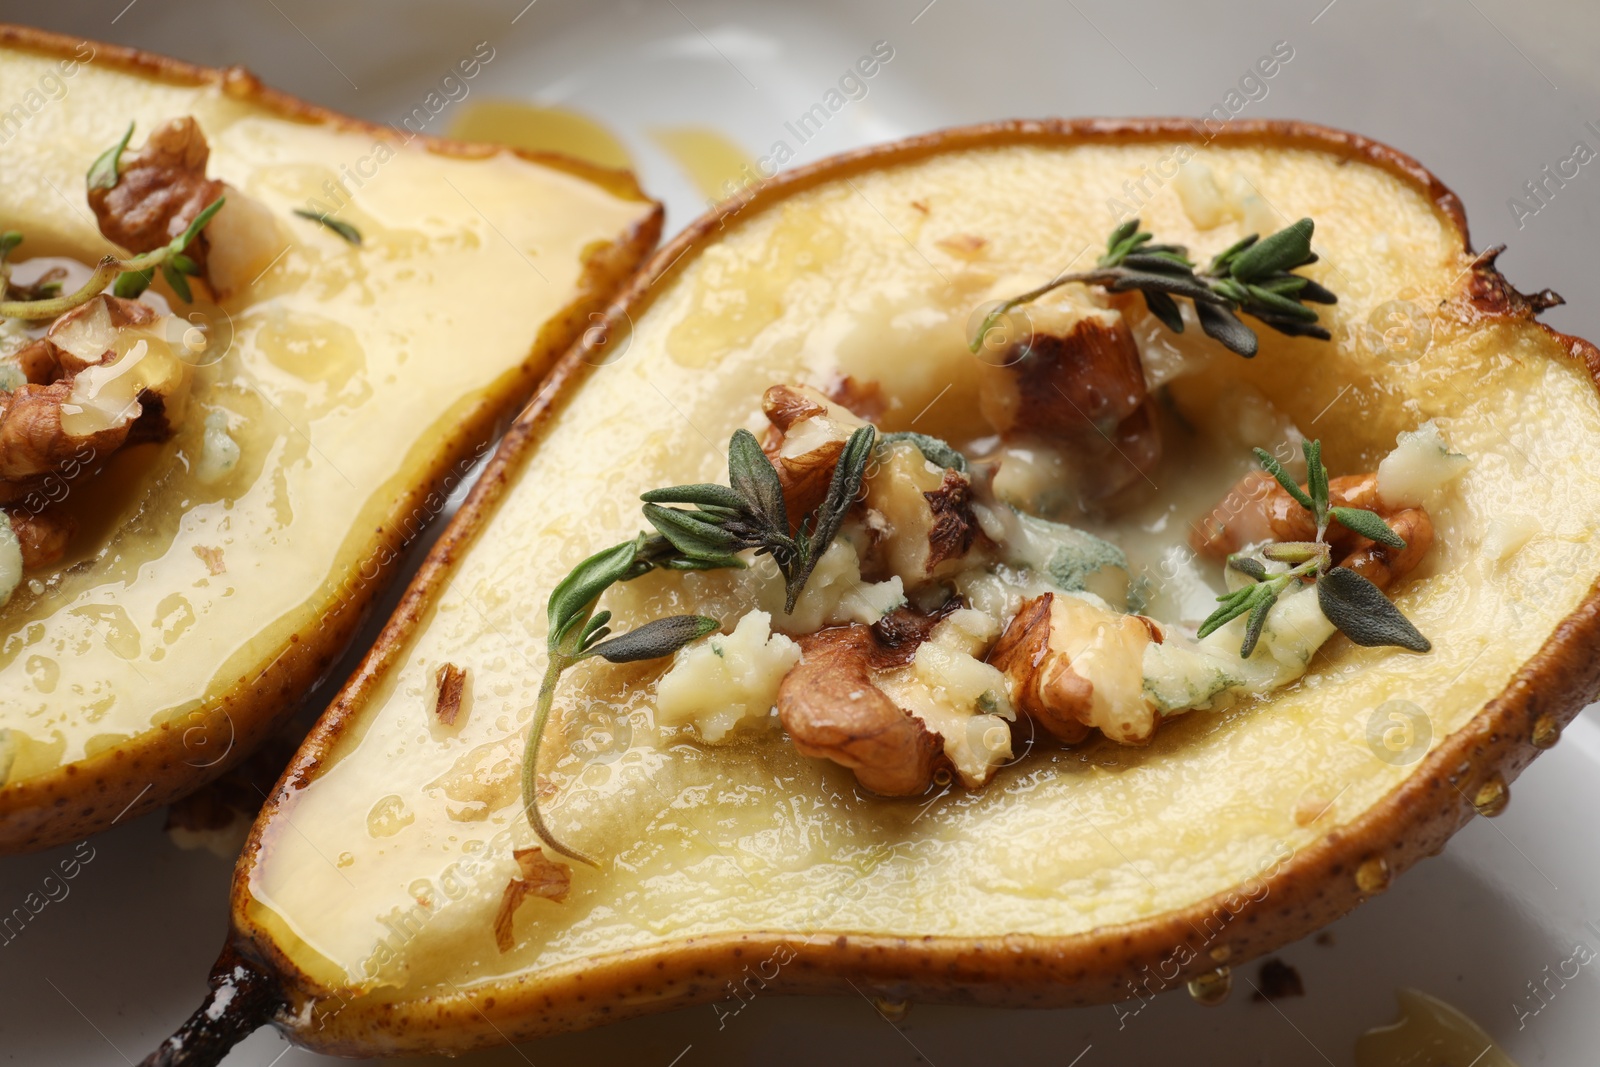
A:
(358, 383)
(365, 905)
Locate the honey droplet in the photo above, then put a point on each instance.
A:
(1222, 953)
(1211, 988)
(1429, 1031)
(1373, 875)
(1546, 732)
(388, 817)
(1492, 796)
(891, 1008)
(346, 859)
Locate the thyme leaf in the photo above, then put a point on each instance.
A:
(338, 226)
(107, 167)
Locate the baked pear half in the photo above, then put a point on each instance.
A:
(907, 610)
(248, 347)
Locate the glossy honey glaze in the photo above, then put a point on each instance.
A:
(340, 372)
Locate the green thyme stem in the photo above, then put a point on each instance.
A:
(105, 272)
(1087, 277)
(559, 662)
(108, 270)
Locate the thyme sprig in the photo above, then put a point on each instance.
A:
(1254, 276)
(749, 512)
(578, 632)
(1352, 603)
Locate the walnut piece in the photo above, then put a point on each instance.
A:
(832, 710)
(1052, 649)
(450, 684)
(1077, 383)
(44, 537)
(159, 191)
(33, 440)
(541, 877)
(804, 442)
(1258, 509)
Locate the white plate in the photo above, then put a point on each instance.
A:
(1485, 92)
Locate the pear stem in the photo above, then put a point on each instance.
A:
(242, 998)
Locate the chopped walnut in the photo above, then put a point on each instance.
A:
(541, 877)
(968, 246)
(865, 400)
(806, 438)
(450, 684)
(1052, 649)
(33, 439)
(1258, 509)
(923, 514)
(1077, 383)
(832, 710)
(212, 558)
(159, 191)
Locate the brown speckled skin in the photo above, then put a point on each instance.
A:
(167, 762)
(1309, 889)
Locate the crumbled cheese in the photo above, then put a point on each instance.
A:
(1073, 560)
(958, 696)
(834, 594)
(1179, 676)
(1033, 477)
(1420, 465)
(1247, 205)
(1202, 199)
(219, 452)
(244, 240)
(999, 591)
(1506, 535)
(10, 559)
(14, 336)
(727, 680)
(1294, 630)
